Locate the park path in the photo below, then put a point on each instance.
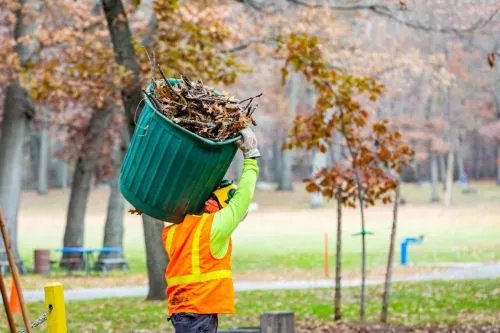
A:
(479, 271)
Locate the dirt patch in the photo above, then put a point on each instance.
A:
(342, 327)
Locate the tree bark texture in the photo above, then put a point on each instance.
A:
(434, 177)
(82, 177)
(338, 264)
(390, 260)
(121, 38)
(18, 113)
(449, 178)
(156, 257)
(114, 228)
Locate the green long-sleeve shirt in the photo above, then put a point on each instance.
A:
(227, 219)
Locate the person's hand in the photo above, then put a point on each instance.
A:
(248, 144)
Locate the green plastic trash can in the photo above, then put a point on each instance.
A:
(168, 171)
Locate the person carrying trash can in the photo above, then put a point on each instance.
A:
(199, 279)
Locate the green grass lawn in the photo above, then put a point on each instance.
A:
(284, 235)
(474, 301)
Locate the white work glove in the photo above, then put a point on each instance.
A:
(248, 144)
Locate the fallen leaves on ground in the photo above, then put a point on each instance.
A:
(343, 327)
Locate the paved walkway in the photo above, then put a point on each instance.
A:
(480, 271)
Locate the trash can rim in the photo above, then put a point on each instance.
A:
(187, 132)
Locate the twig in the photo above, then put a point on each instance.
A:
(172, 87)
(252, 98)
(153, 100)
(194, 122)
(163, 76)
(187, 81)
(153, 65)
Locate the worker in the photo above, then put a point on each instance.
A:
(199, 280)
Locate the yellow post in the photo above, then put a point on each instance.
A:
(54, 296)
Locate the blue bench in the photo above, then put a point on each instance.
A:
(105, 264)
(78, 257)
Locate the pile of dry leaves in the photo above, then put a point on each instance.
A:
(201, 110)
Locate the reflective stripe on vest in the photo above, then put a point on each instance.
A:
(196, 275)
(170, 237)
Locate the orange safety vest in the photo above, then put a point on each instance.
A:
(197, 282)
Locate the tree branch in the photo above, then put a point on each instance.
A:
(383, 10)
(243, 46)
(415, 25)
(253, 4)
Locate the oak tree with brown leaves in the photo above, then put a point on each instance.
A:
(374, 154)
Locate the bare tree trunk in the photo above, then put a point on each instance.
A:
(18, 113)
(113, 229)
(157, 259)
(276, 160)
(285, 180)
(62, 174)
(121, 37)
(498, 162)
(390, 260)
(363, 255)
(338, 263)
(82, 177)
(449, 179)
(131, 96)
(44, 155)
(265, 163)
(32, 182)
(61, 169)
(434, 177)
(442, 170)
(319, 162)
(285, 172)
(460, 163)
